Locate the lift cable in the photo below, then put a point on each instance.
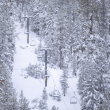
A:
(70, 87)
(59, 91)
(67, 93)
(73, 92)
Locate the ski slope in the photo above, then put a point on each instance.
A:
(32, 88)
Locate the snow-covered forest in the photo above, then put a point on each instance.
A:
(54, 54)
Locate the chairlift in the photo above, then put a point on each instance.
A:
(73, 100)
(56, 92)
(39, 56)
(33, 43)
(40, 50)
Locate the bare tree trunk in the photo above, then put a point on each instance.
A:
(60, 57)
(91, 28)
(71, 49)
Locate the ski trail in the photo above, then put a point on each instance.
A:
(32, 88)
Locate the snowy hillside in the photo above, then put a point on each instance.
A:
(32, 88)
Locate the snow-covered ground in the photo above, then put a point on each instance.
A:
(32, 88)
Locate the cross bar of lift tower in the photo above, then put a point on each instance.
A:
(45, 48)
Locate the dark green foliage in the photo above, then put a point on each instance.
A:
(93, 84)
(43, 105)
(35, 71)
(44, 95)
(63, 81)
(23, 102)
(54, 108)
(43, 101)
(8, 97)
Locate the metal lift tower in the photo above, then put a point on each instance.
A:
(46, 75)
(27, 28)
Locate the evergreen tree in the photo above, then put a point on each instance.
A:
(43, 105)
(43, 101)
(7, 50)
(15, 103)
(87, 84)
(54, 108)
(34, 71)
(93, 84)
(44, 95)
(55, 95)
(63, 81)
(23, 102)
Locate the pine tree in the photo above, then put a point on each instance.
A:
(43, 105)
(7, 49)
(43, 101)
(34, 71)
(86, 86)
(23, 102)
(54, 108)
(55, 95)
(64, 83)
(44, 95)
(15, 103)
(93, 84)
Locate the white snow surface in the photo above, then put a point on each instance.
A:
(32, 88)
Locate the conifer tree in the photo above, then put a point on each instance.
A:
(23, 102)
(54, 108)
(15, 103)
(63, 81)
(7, 49)
(43, 101)
(44, 95)
(93, 84)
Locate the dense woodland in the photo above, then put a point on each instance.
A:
(78, 33)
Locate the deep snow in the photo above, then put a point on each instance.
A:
(32, 88)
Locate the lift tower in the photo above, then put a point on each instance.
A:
(46, 75)
(28, 18)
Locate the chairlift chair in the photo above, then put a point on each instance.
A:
(39, 57)
(73, 100)
(33, 43)
(56, 93)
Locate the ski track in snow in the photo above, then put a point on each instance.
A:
(32, 88)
